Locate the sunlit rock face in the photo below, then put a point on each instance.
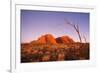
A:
(50, 39)
(47, 39)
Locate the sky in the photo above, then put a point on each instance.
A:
(36, 23)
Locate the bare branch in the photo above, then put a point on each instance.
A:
(76, 27)
(84, 38)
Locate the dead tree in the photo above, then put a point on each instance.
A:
(76, 27)
(84, 39)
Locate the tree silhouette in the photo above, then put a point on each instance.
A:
(76, 27)
(84, 39)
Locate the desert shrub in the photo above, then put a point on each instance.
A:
(53, 56)
(41, 53)
(84, 51)
(61, 56)
(46, 58)
(71, 54)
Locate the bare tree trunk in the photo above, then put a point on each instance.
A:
(84, 39)
(78, 32)
(76, 27)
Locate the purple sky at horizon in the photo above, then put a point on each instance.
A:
(36, 23)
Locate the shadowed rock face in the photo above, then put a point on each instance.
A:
(64, 39)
